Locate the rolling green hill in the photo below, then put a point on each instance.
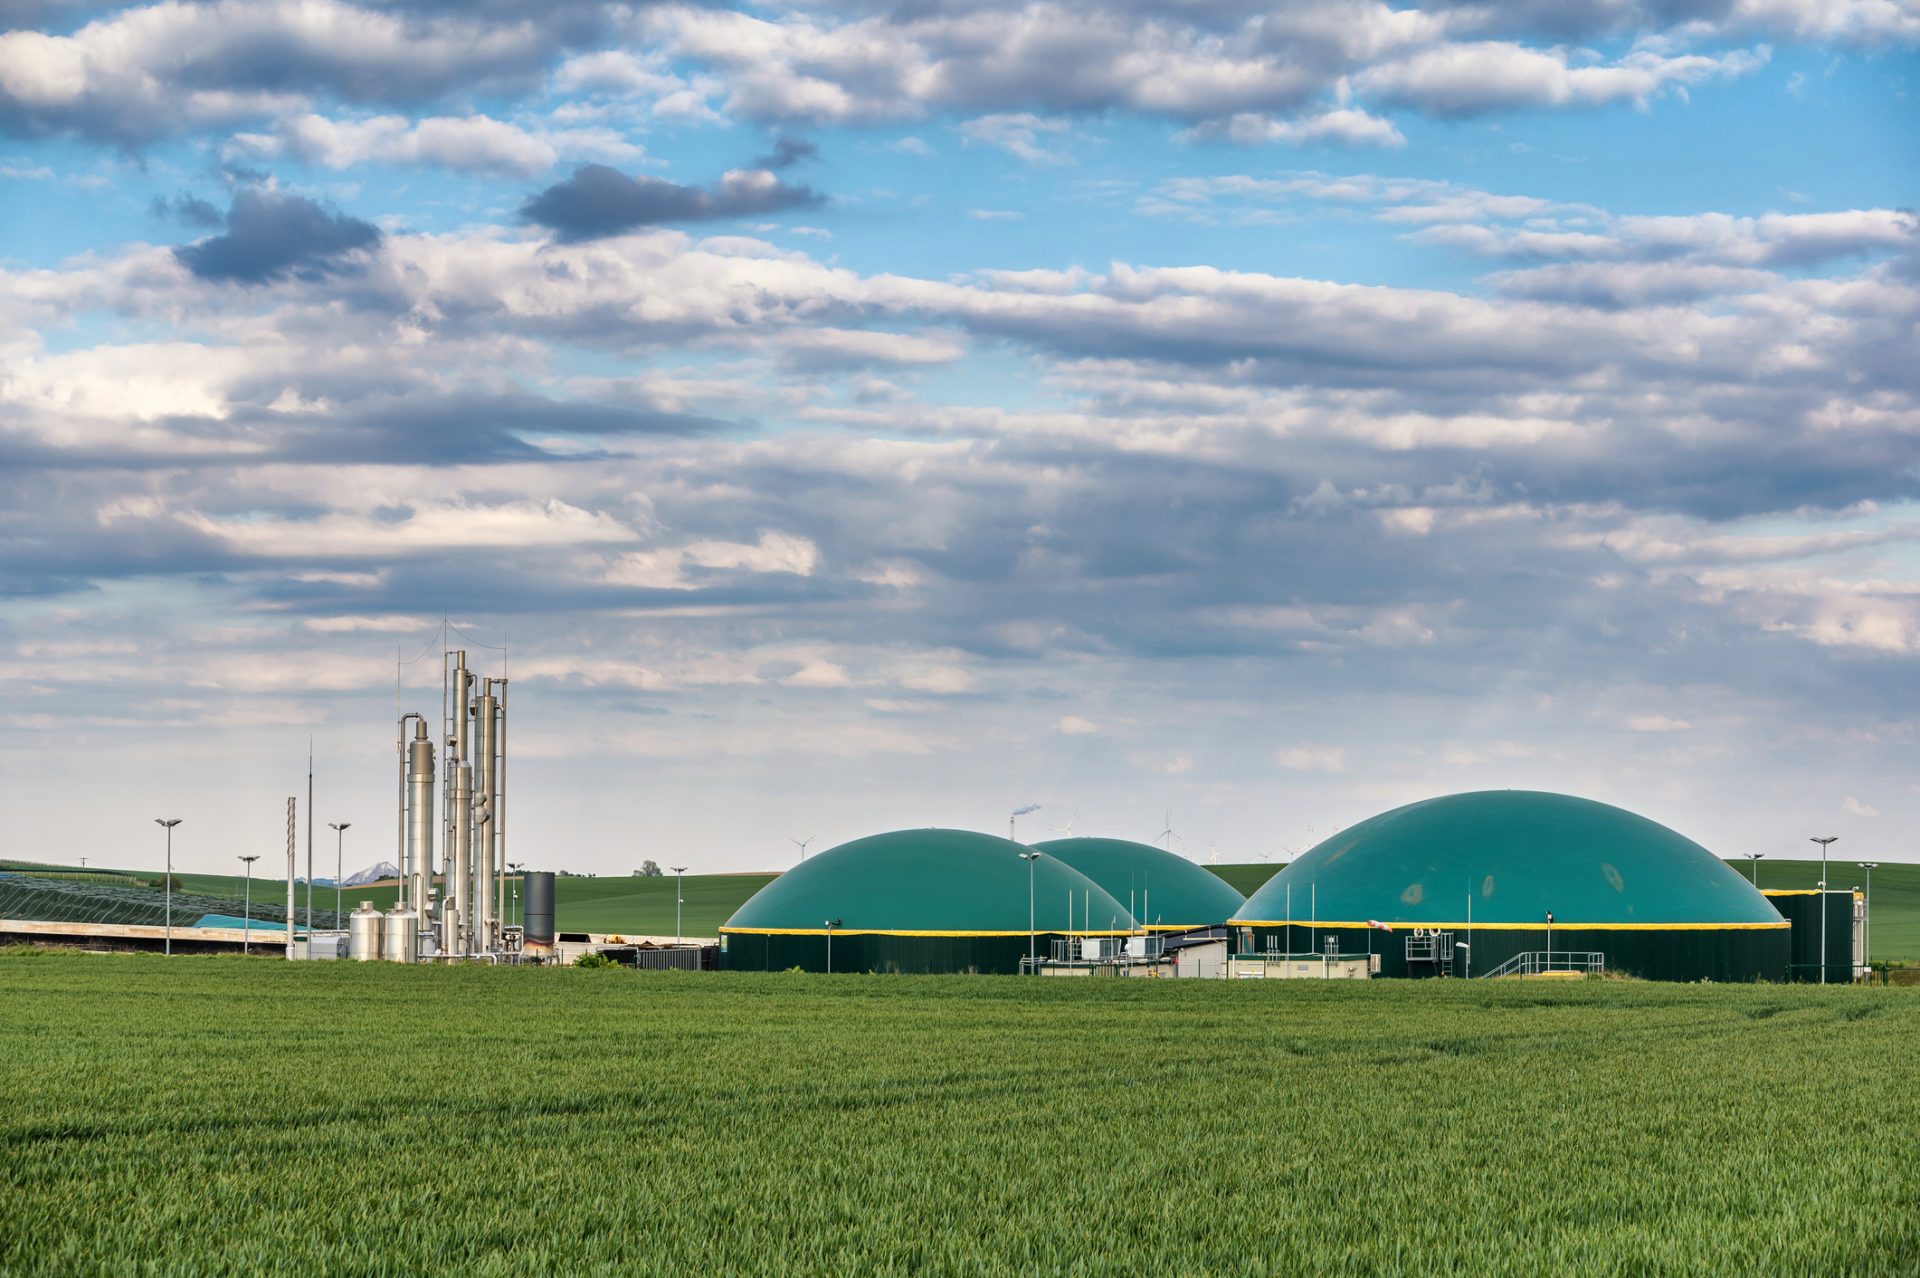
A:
(1246, 879)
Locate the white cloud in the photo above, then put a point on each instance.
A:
(1074, 726)
(1853, 807)
(473, 144)
(1313, 758)
(1657, 723)
(1347, 126)
(151, 71)
(1018, 134)
(668, 568)
(1470, 78)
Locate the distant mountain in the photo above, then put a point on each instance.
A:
(372, 874)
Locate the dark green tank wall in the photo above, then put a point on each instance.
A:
(1725, 955)
(755, 952)
(1802, 909)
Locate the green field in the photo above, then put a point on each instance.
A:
(1246, 879)
(201, 1115)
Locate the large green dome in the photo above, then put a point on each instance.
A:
(929, 883)
(1518, 854)
(1165, 892)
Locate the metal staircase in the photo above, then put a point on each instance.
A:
(1556, 963)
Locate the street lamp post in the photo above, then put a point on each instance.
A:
(1030, 857)
(1754, 859)
(830, 924)
(514, 914)
(339, 829)
(1824, 842)
(169, 824)
(246, 920)
(679, 900)
(1866, 923)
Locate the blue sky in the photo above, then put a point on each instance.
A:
(855, 416)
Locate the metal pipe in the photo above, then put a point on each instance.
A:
(292, 802)
(461, 682)
(309, 840)
(453, 895)
(500, 801)
(486, 713)
(417, 878)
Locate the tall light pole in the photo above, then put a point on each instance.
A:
(1830, 839)
(246, 921)
(1030, 856)
(1754, 859)
(515, 867)
(679, 900)
(830, 924)
(1866, 923)
(339, 829)
(1015, 815)
(169, 823)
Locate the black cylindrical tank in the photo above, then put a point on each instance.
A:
(539, 918)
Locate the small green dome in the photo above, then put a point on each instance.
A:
(930, 883)
(1518, 854)
(1165, 892)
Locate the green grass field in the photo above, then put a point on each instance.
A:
(1246, 879)
(249, 1116)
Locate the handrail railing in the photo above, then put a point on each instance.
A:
(1542, 962)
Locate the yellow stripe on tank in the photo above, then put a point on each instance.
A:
(1558, 925)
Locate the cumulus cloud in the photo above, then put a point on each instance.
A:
(273, 234)
(1347, 126)
(150, 71)
(599, 201)
(1473, 78)
(1313, 758)
(473, 144)
(1018, 134)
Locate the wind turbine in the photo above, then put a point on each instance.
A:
(1168, 833)
(1066, 831)
(802, 844)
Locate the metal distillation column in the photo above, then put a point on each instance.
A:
(418, 869)
(486, 712)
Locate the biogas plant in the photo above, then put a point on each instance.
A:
(1492, 884)
(1499, 883)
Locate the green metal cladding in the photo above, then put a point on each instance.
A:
(1518, 854)
(1165, 892)
(1655, 903)
(929, 883)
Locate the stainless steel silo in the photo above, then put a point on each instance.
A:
(539, 917)
(400, 935)
(364, 932)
